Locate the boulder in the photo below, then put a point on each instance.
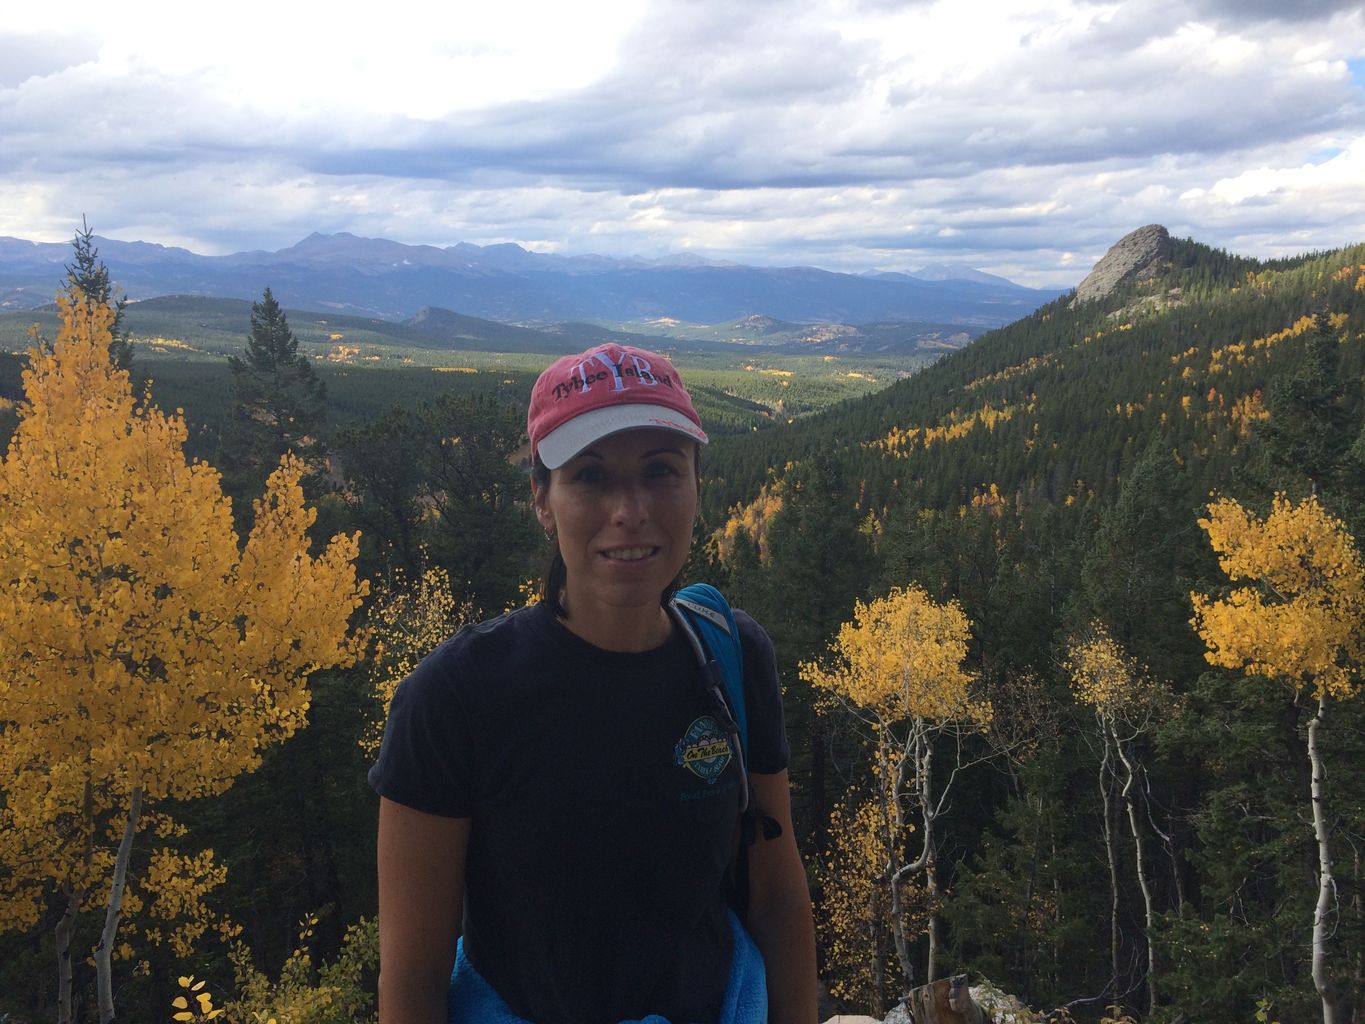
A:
(1137, 256)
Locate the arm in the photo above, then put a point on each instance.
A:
(779, 909)
(421, 902)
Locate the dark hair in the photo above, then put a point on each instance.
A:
(557, 573)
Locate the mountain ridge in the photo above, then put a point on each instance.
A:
(392, 280)
(1058, 403)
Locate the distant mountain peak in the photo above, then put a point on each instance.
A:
(1137, 256)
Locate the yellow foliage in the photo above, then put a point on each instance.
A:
(1104, 676)
(1302, 613)
(143, 650)
(854, 909)
(176, 885)
(901, 441)
(1245, 411)
(901, 657)
(406, 622)
(990, 500)
(897, 666)
(752, 519)
(304, 992)
(203, 1010)
(1030, 365)
(1244, 353)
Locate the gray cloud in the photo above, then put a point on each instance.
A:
(1249, 11)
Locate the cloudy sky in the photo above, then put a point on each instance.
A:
(1021, 138)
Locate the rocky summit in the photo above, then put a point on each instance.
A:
(1136, 256)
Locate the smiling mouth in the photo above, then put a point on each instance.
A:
(629, 554)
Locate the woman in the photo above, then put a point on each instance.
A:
(533, 796)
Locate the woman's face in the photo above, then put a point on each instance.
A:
(622, 511)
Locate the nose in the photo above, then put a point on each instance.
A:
(629, 507)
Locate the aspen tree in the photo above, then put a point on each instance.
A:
(147, 656)
(1110, 682)
(897, 669)
(1299, 618)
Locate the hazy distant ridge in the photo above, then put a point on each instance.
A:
(383, 278)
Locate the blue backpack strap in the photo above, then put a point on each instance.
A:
(708, 613)
(705, 618)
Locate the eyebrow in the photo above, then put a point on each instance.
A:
(666, 450)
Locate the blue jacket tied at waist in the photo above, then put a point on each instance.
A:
(473, 1001)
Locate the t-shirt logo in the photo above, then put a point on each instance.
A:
(704, 749)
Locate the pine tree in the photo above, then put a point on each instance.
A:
(818, 563)
(88, 273)
(279, 401)
(1309, 430)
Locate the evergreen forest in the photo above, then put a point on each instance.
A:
(1071, 625)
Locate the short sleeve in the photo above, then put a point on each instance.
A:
(425, 759)
(769, 751)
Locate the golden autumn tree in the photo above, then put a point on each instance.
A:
(1111, 683)
(896, 668)
(406, 622)
(148, 656)
(1299, 617)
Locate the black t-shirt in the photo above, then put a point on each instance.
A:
(603, 798)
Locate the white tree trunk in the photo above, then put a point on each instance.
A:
(1141, 865)
(926, 797)
(1106, 771)
(105, 950)
(896, 871)
(1332, 1012)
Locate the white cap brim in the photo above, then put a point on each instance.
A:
(566, 441)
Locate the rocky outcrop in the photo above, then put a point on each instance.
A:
(986, 1002)
(1137, 256)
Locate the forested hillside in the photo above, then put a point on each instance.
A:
(1146, 839)
(1069, 622)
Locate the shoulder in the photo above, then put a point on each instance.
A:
(474, 650)
(769, 751)
(493, 637)
(753, 638)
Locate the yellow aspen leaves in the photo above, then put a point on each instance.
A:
(405, 623)
(1300, 613)
(203, 1010)
(1104, 676)
(143, 648)
(901, 656)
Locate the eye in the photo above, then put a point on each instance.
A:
(660, 468)
(589, 473)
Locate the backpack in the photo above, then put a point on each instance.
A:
(709, 626)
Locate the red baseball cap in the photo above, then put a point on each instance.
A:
(581, 399)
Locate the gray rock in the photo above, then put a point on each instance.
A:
(1137, 256)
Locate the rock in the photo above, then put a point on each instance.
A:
(898, 1015)
(1137, 256)
(849, 1018)
(1001, 1007)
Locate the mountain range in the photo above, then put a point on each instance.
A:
(375, 277)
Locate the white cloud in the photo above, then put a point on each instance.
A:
(1020, 137)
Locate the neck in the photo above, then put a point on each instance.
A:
(625, 630)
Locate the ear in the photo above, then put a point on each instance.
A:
(543, 514)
